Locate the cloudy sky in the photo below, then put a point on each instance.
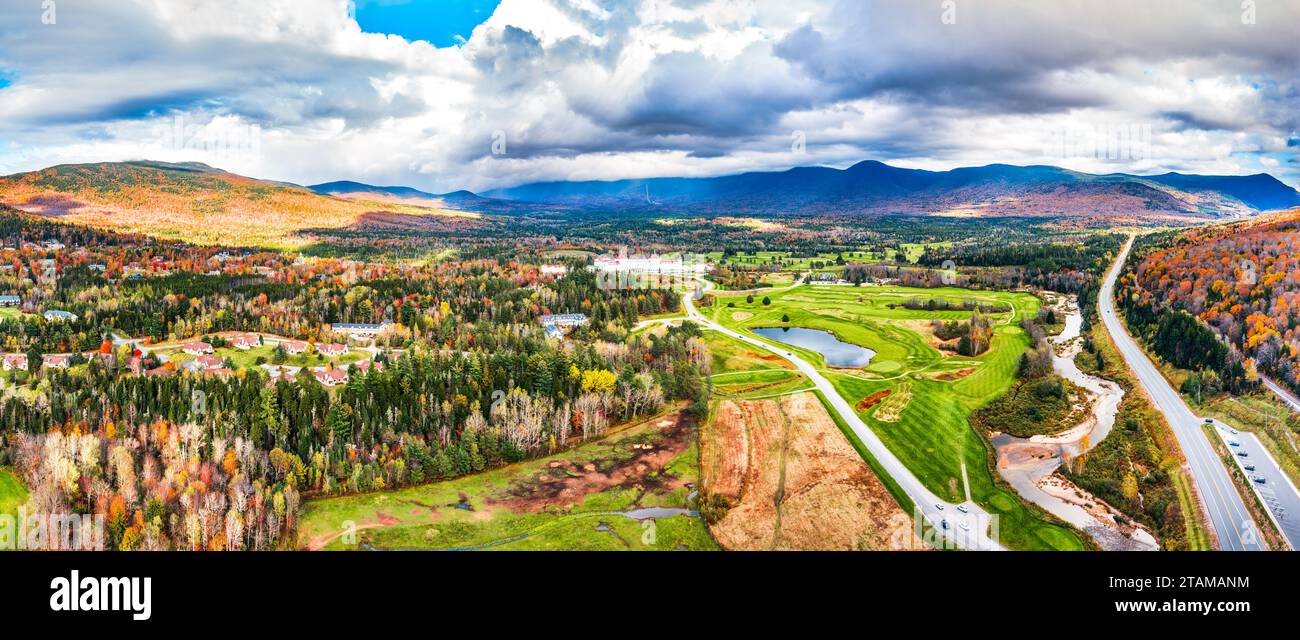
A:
(450, 94)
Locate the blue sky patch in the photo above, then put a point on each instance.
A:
(442, 23)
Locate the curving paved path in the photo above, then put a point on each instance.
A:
(930, 506)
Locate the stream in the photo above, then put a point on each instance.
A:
(1029, 464)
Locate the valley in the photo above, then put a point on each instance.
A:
(314, 313)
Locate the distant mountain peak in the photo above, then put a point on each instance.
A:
(872, 187)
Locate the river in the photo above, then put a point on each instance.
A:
(1029, 464)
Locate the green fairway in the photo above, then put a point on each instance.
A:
(511, 508)
(926, 422)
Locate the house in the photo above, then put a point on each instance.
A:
(246, 341)
(98, 267)
(332, 349)
(564, 319)
(196, 348)
(57, 362)
(554, 269)
(362, 331)
(556, 324)
(14, 361)
(207, 363)
(159, 371)
(56, 315)
(366, 365)
(10, 301)
(331, 377)
(654, 264)
(294, 347)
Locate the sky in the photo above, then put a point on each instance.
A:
(442, 23)
(449, 94)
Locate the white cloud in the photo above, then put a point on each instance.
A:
(628, 88)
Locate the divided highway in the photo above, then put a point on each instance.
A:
(1227, 513)
(967, 529)
(1281, 392)
(1271, 485)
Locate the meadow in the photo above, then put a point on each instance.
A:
(245, 359)
(927, 424)
(787, 261)
(12, 492)
(585, 498)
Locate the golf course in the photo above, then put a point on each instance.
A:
(915, 394)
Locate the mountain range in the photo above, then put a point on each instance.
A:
(459, 200)
(199, 203)
(873, 187)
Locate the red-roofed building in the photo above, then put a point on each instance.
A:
(331, 377)
(196, 348)
(209, 363)
(57, 362)
(245, 342)
(331, 349)
(365, 365)
(294, 347)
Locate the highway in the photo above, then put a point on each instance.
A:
(1224, 507)
(1281, 392)
(967, 530)
(1274, 488)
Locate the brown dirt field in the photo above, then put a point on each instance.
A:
(567, 484)
(724, 450)
(872, 400)
(804, 488)
(750, 523)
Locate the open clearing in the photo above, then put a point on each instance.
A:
(591, 497)
(932, 434)
(794, 481)
(12, 492)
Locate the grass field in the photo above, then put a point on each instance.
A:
(785, 261)
(573, 500)
(247, 359)
(12, 492)
(931, 433)
(8, 313)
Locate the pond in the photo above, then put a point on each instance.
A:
(836, 353)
